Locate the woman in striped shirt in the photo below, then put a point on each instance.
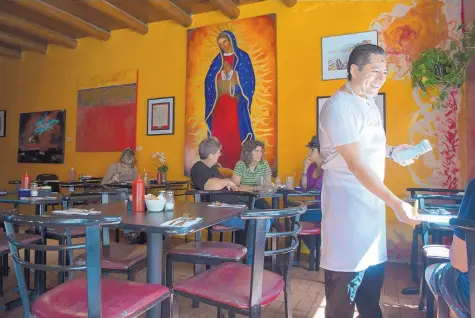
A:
(251, 169)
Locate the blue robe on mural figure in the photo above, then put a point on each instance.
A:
(229, 90)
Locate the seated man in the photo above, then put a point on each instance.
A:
(204, 173)
(450, 280)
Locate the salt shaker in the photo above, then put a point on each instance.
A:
(34, 189)
(170, 204)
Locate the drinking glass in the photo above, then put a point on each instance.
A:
(290, 182)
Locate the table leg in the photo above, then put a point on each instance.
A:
(154, 266)
(197, 268)
(425, 241)
(275, 202)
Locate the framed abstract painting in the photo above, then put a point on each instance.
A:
(161, 116)
(336, 52)
(380, 101)
(41, 137)
(3, 123)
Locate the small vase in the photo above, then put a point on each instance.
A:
(159, 177)
(164, 177)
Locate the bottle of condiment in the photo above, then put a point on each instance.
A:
(145, 177)
(25, 181)
(72, 174)
(138, 195)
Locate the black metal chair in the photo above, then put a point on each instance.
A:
(257, 287)
(443, 310)
(60, 234)
(207, 253)
(432, 254)
(118, 257)
(51, 180)
(93, 295)
(4, 251)
(432, 198)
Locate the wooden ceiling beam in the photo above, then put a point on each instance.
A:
(174, 11)
(23, 43)
(6, 52)
(37, 30)
(112, 11)
(227, 7)
(290, 3)
(53, 12)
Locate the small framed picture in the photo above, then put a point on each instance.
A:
(161, 116)
(336, 52)
(380, 101)
(3, 123)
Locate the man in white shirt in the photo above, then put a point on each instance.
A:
(353, 147)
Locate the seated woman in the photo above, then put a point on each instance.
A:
(251, 168)
(312, 178)
(122, 171)
(450, 280)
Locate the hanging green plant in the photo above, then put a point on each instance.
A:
(444, 69)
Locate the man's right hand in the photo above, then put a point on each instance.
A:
(405, 213)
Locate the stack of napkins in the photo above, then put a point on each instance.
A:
(179, 222)
(226, 205)
(74, 211)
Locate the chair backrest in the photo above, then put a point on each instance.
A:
(92, 247)
(437, 197)
(469, 228)
(208, 195)
(258, 220)
(226, 172)
(179, 188)
(89, 197)
(45, 177)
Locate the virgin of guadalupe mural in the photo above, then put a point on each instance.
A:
(229, 88)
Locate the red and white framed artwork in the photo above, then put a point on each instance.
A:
(161, 116)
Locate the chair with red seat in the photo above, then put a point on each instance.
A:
(243, 289)
(86, 296)
(207, 253)
(5, 250)
(118, 257)
(313, 230)
(432, 254)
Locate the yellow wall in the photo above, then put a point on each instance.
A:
(43, 82)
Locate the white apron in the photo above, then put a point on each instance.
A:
(353, 219)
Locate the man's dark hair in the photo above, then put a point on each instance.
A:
(360, 56)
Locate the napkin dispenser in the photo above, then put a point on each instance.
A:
(44, 191)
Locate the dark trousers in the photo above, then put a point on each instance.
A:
(344, 290)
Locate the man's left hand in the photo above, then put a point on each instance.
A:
(400, 148)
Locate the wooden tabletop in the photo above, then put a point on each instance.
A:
(152, 221)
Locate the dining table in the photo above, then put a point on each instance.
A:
(152, 223)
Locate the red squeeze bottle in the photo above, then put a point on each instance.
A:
(138, 195)
(25, 181)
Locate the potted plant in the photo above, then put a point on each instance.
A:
(438, 70)
(162, 168)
